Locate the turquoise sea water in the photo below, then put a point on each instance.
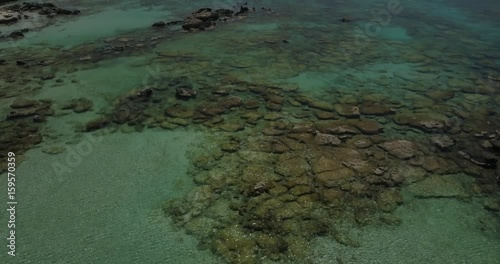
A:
(309, 140)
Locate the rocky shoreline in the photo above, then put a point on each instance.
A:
(6, 1)
(25, 13)
(207, 18)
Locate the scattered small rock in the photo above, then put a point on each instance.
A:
(16, 35)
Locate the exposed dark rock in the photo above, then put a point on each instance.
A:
(16, 35)
(194, 23)
(44, 9)
(205, 18)
(14, 13)
(61, 11)
(224, 12)
(30, 6)
(6, 1)
(177, 22)
(243, 10)
(206, 14)
(159, 24)
(8, 18)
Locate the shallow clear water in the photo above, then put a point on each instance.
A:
(309, 140)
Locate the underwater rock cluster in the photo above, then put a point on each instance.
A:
(289, 168)
(286, 166)
(21, 129)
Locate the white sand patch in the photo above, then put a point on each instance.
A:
(108, 208)
(434, 231)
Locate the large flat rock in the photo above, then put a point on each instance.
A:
(440, 186)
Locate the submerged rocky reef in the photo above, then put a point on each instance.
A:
(287, 168)
(285, 165)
